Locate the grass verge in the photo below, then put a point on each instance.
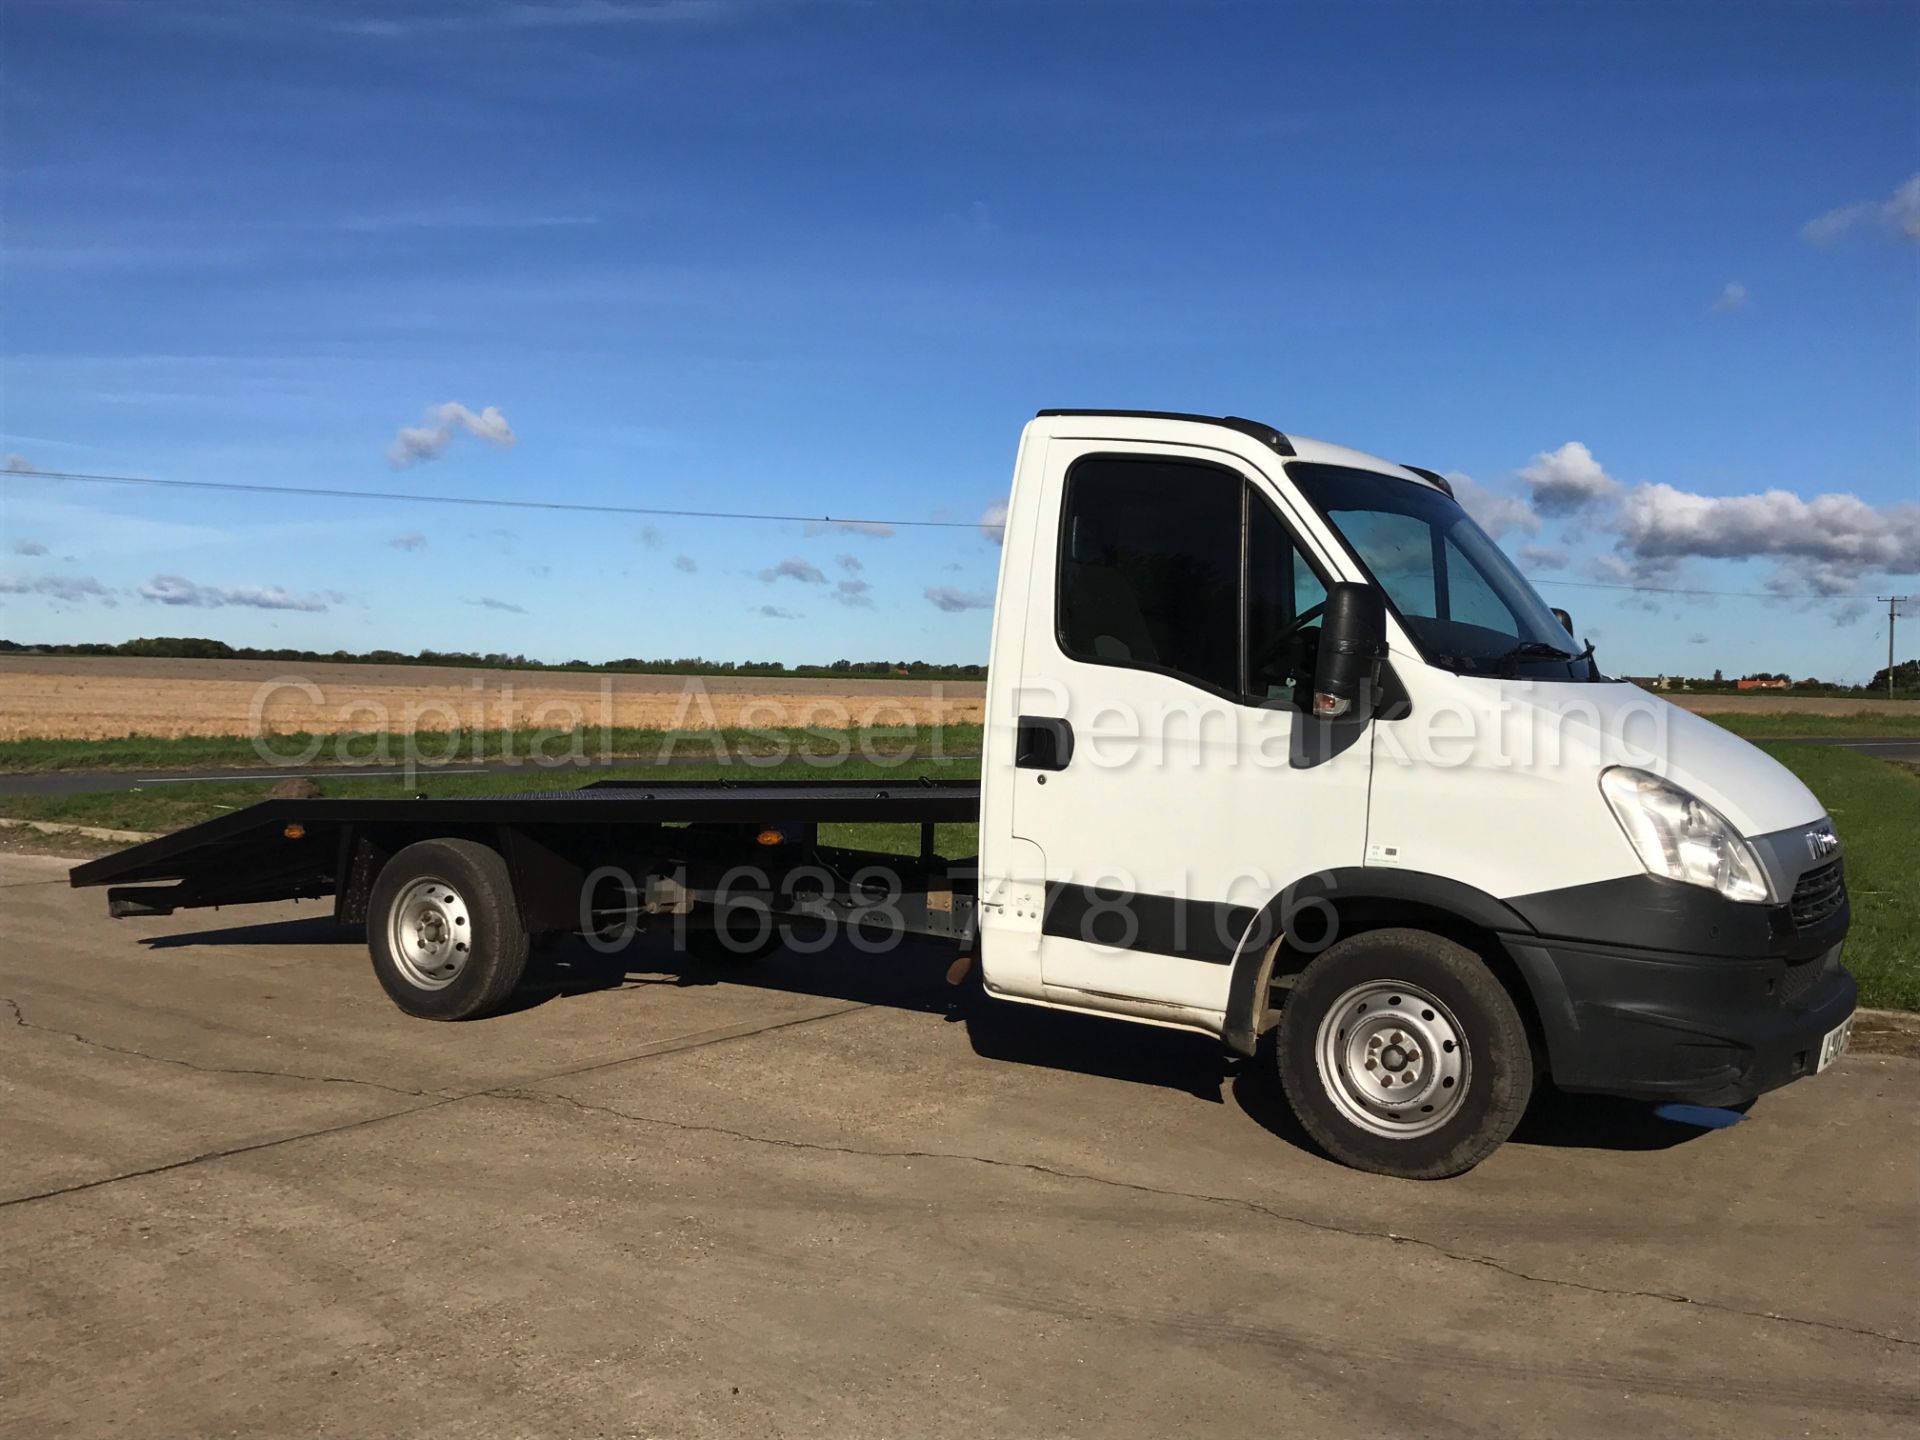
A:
(1876, 811)
(1795, 726)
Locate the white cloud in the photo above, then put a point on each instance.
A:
(952, 600)
(18, 464)
(416, 443)
(1568, 479)
(491, 602)
(178, 590)
(71, 588)
(993, 521)
(1543, 557)
(650, 537)
(28, 547)
(412, 540)
(460, 217)
(685, 563)
(1496, 513)
(1899, 212)
(850, 563)
(793, 568)
(854, 593)
(1732, 297)
(1826, 544)
(872, 529)
(538, 14)
(774, 612)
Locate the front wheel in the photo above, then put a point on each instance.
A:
(444, 932)
(1402, 1054)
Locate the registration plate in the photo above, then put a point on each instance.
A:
(1834, 1044)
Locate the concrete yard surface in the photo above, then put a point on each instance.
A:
(242, 1194)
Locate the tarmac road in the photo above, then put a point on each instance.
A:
(241, 1193)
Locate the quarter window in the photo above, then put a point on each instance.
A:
(1285, 596)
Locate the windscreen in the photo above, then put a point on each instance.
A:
(1460, 598)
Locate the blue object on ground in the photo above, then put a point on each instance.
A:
(1707, 1117)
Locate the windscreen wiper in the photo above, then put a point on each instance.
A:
(1537, 650)
(1542, 650)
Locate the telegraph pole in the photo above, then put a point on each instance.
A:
(1893, 604)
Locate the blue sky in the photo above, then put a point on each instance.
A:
(1622, 265)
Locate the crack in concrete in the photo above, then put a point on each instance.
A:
(81, 1185)
(433, 1098)
(20, 1019)
(1673, 1297)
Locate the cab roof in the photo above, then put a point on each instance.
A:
(1291, 446)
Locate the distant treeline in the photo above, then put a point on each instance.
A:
(189, 647)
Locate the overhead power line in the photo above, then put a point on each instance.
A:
(415, 498)
(406, 497)
(1693, 590)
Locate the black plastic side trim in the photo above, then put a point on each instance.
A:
(1381, 882)
(1273, 439)
(1160, 924)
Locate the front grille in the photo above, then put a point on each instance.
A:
(1819, 893)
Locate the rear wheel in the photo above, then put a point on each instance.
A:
(443, 930)
(1402, 1054)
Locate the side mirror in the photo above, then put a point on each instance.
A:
(1353, 643)
(1566, 620)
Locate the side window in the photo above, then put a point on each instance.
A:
(1281, 588)
(1150, 568)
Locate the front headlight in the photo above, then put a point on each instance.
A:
(1683, 838)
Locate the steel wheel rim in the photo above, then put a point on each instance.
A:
(430, 934)
(1393, 1059)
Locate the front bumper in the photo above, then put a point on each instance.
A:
(1709, 1030)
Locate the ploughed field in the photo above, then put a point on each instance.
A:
(61, 698)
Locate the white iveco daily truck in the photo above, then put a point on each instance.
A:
(1276, 734)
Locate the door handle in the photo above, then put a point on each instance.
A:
(1042, 742)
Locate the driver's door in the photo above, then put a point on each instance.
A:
(1171, 627)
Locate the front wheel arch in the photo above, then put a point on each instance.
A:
(1362, 899)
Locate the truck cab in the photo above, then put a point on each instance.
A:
(1274, 720)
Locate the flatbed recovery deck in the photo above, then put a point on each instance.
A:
(585, 860)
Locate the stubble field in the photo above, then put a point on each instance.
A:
(56, 698)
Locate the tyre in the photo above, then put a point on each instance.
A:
(738, 935)
(443, 930)
(1402, 1054)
